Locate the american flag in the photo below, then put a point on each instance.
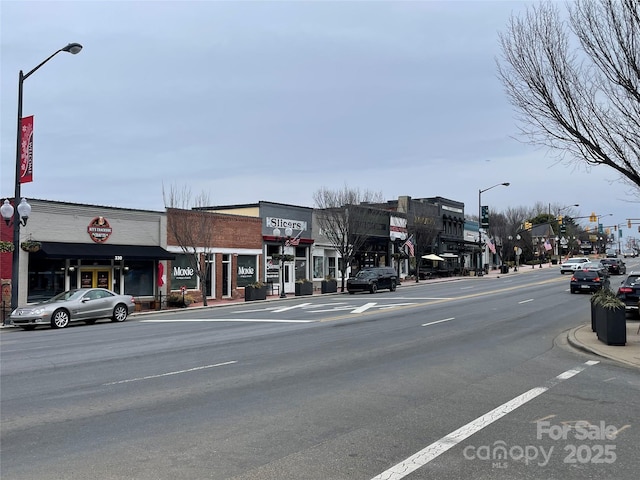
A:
(410, 247)
(547, 245)
(492, 246)
(295, 241)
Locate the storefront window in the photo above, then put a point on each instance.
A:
(138, 280)
(332, 267)
(247, 271)
(46, 279)
(318, 270)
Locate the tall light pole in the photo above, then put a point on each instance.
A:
(560, 210)
(598, 217)
(287, 236)
(72, 48)
(480, 192)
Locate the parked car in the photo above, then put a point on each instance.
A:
(573, 264)
(615, 266)
(588, 281)
(371, 279)
(79, 305)
(629, 291)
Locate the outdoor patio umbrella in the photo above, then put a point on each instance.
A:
(434, 257)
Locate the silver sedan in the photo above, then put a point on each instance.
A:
(79, 305)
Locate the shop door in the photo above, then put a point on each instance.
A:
(289, 278)
(95, 278)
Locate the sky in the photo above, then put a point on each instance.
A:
(271, 101)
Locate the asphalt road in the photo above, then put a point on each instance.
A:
(466, 379)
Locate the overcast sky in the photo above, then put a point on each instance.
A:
(251, 101)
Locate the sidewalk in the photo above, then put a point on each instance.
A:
(584, 339)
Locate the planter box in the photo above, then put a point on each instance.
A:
(329, 286)
(611, 325)
(305, 288)
(255, 293)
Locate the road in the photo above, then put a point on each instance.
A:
(429, 381)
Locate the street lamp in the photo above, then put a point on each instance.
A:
(480, 192)
(72, 48)
(598, 217)
(560, 210)
(287, 236)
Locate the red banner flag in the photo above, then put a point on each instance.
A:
(26, 150)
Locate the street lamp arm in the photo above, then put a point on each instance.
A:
(72, 48)
(506, 184)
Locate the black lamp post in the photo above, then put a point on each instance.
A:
(72, 48)
(283, 239)
(480, 192)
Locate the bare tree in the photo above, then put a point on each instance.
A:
(581, 99)
(190, 227)
(346, 221)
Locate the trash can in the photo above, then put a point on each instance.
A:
(504, 269)
(486, 268)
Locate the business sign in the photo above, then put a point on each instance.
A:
(182, 273)
(282, 223)
(99, 230)
(397, 228)
(247, 270)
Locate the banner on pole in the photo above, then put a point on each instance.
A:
(26, 149)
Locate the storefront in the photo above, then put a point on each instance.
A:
(67, 245)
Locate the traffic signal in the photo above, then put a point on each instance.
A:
(593, 217)
(615, 228)
(527, 225)
(629, 224)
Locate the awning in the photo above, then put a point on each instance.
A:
(434, 257)
(103, 251)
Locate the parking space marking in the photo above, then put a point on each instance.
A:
(433, 451)
(526, 301)
(438, 321)
(364, 307)
(284, 309)
(170, 373)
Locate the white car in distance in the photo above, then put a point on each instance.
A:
(573, 264)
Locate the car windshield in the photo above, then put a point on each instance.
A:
(632, 280)
(366, 274)
(585, 274)
(575, 260)
(64, 296)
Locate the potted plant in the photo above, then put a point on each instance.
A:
(255, 291)
(31, 246)
(6, 247)
(608, 317)
(329, 285)
(304, 287)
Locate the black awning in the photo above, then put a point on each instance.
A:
(103, 251)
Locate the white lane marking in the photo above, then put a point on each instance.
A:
(438, 321)
(364, 307)
(424, 456)
(222, 320)
(466, 288)
(526, 301)
(170, 373)
(284, 309)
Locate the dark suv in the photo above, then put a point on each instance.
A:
(629, 292)
(615, 266)
(371, 279)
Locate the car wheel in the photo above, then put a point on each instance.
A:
(29, 327)
(393, 286)
(374, 288)
(60, 319)
(119, 313)
(561, 272)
